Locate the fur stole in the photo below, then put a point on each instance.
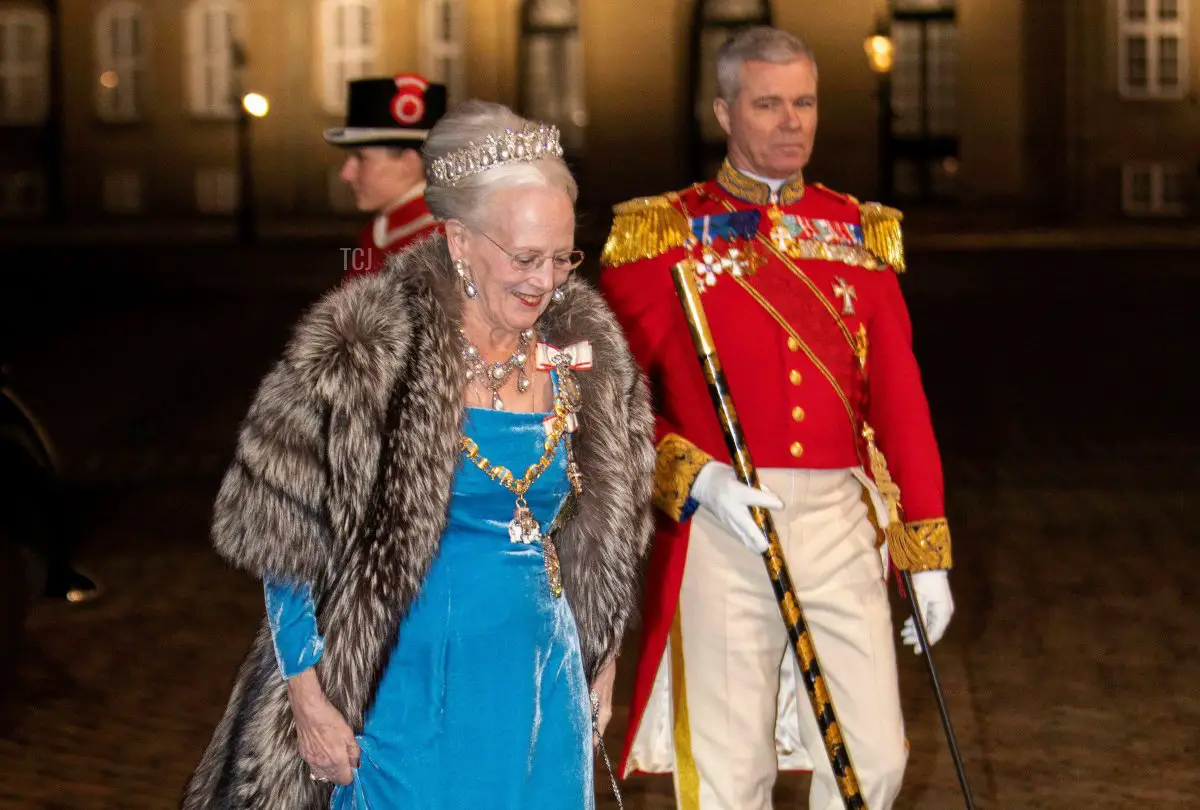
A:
(342, 477)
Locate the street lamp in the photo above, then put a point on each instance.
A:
(256, 104)
(881, 53)
(881, 58)
(250, 105)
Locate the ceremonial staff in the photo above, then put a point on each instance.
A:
(781, 581)
(894, 533)
(919, 623)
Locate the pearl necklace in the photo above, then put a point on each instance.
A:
(496, 375)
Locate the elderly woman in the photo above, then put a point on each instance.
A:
(445, 484)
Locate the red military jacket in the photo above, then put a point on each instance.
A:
(805, 309)
(405, 221)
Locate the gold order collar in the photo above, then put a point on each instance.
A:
(754, 191)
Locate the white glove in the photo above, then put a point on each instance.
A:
(937, 606)
(718, 490)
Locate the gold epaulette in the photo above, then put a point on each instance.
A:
(881, 234)
(644, 228)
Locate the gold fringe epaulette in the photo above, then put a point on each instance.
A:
(881, 234)
(644, 228)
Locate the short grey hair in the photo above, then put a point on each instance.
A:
(759, 43)
(471, 122)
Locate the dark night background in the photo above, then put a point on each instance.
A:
(1055, 328)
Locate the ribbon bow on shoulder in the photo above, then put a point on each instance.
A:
(577, 356)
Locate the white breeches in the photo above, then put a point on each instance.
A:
(725, 713)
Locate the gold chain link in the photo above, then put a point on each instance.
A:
(503, 475)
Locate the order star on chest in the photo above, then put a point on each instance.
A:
(725, 246)
(846, 292)
(738, 262)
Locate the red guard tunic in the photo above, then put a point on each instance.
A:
(816, 343)
(405, 221)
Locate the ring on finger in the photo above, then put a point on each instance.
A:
(313, 775)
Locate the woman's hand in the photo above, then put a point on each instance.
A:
(326, 740)
(603, 689)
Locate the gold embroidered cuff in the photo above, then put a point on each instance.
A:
(676, 467)
(924, 546)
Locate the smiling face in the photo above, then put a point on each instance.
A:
(773, 121)
(523, 221)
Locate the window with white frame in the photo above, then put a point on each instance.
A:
(213, 29)
(121, 32)
(349, 47)
(442, 57)
(1153, 189)
(1152, 49)
(122, 192)
(24, 66)
(552, 80)
(216, 191)
(22, 194)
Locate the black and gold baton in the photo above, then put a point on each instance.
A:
(781, 581)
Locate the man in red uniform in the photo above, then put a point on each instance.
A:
(801, 294)
(387, 121)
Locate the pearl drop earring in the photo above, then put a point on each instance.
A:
(460, 266)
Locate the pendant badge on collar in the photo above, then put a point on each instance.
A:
(523, 528)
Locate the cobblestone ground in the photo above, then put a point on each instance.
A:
(1058, 385)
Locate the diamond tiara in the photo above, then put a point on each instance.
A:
(495, 150)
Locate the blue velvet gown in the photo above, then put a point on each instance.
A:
(484, 702)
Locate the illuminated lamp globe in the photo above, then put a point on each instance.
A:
(256, 104)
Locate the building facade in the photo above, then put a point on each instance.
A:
(1064, 110)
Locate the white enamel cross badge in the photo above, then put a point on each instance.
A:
(845, 292)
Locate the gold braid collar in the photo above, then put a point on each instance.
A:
(755, 191)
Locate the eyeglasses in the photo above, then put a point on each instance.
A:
(528, 262)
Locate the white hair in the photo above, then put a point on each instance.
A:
(759, 43)
(471, 122)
